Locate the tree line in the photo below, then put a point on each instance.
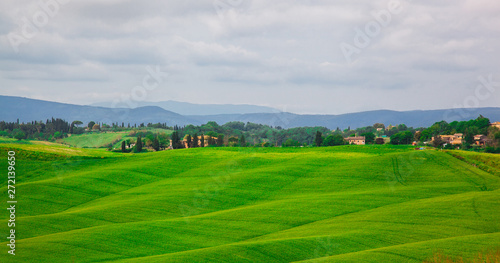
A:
(37, 130)
(242, 134)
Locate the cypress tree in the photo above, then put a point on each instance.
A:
(319, 139)
(189, 141)
(156, 144)
(242, 141)
(138, 145)
(220, 140)
(175, 140)
(195, 140)
(124, 149)
(202, 141)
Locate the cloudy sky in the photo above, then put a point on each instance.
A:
(308, 56)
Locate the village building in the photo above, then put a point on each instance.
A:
(496, 124)
(481, 140)
(458, 138)
(360, 140)
(454, 139)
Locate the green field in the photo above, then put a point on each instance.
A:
(10, 140)
(103, 139)
(94, 140)
(336, 204)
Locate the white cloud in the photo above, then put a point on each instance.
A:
(259, 52)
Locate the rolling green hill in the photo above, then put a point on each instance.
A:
(338, 204)
(94, 140)
(103, 139)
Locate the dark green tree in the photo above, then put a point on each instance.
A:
(176, 142)
(417, 136)
(20, 135)
(319, 139)
(405, 137)
(220, 140)
(91, 125)
(232, 141)
(242, 141)
(202, 140)
(73, 124)
(369, 137)
(291, 143)
(438, 141)
(211, 141)
(124, 147)
(138, 145)
(195, 140)
(156, 144)
(469, 134)
(189, 141)
(334, 140)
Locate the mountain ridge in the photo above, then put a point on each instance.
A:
(25, 109)
(186, 108)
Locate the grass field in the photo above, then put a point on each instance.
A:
(10, 140)
(102, 140)
(94, 140)
(337, 204)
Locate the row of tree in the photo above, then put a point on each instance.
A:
(39, 130)
(248, 134)
(469, 129)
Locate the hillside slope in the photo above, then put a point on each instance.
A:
(340, 204)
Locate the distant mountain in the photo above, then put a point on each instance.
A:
(13, 108)
(185, 108)
(421, 118)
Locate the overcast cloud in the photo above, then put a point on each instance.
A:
(283, 54)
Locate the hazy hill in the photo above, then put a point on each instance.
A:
(355, 120)
(186, 108)
(12, 108)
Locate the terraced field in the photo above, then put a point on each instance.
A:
(338, 204)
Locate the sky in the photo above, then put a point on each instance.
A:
(306, 57)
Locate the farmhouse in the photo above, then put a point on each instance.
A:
(452, 139)
(496, 124)
(458, 138)
(481, 140)
(360, 140)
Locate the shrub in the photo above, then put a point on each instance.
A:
(492, 150)
(20, 135)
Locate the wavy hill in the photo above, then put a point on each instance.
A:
(340, 204)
